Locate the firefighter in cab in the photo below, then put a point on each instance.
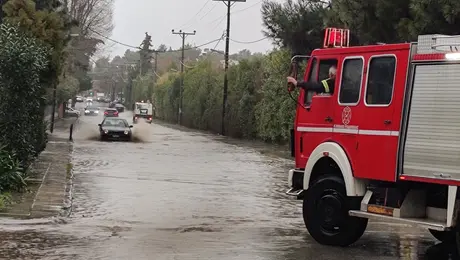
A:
(325, 86)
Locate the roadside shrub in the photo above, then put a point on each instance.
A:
(5, 200)
(22, 125)
(258, 103)
(11, 172)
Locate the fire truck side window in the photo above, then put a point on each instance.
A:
(324, 66)
(380, 81)
(315, 75)
(313, 70)
(311, 78)
(350, 84)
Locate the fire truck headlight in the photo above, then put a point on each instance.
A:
(453, 56)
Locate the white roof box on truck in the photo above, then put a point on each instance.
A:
(438, 43)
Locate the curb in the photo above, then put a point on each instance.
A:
(54, 207)
(68, 196)
(66, 209)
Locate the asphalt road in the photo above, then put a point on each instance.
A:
(186, 195)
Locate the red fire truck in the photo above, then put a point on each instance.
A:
(385, 144)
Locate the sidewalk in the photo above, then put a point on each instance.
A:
(50, 178)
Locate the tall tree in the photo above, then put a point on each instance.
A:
(94, 17)
(162, 48)
(297, 25)
(47, 4)
(49, 25)
(146, 54)
(434, 17)
(371, 21)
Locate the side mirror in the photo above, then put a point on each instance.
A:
(99, 124)
(131, 126)
(294, 68)
(293, 73)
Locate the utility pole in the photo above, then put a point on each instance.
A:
(114, 94)
(183, 35)
(229, 4)
(155, 66)
(53, 111)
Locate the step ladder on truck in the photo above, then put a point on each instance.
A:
(385, 144)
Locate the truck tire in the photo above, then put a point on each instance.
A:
(325, 213)
(443, 236)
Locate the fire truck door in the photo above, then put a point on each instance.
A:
(315, 120)
(347, 113)
(378, 139)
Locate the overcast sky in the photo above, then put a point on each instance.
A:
(132, 18)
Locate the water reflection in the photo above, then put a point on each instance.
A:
(186, 196)
(442, 251)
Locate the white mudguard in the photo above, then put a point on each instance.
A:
(354, 186)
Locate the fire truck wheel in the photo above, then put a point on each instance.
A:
(325, 213)
(443, 236)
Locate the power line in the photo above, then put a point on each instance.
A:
(139, 48)
(187, 66)
(210, 10)
(201, 9)
(259, 40)
(221, 37)
(115, 41)
(204, 44)
(244, 9)
(234, 12)
(218, 24)
(202, 17)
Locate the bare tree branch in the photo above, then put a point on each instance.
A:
(92, 15)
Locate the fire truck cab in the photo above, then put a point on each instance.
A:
(385, 144)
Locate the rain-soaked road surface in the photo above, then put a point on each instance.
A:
(184, 195)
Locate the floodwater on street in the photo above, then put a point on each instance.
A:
(185, 195)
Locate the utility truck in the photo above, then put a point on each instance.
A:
(385, 144)
(143, 111)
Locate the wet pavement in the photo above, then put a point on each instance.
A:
(185, 195)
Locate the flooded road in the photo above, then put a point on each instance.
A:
(184, 195)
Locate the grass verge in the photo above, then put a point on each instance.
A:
(69, 167)
(5, 200)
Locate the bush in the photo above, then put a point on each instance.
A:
(258, 103)
(11, 173)
(22, 102)
(5, 200)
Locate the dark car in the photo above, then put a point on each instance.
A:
(120, 107)
(115, 129)
(111, 112)
(91, 111)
